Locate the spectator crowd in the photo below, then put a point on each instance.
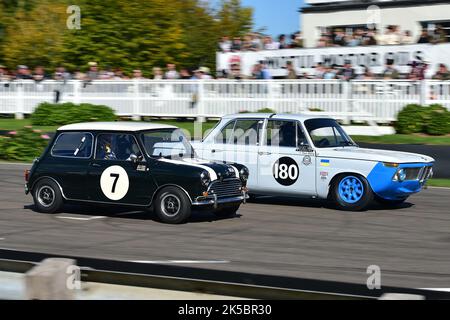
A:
(94, 72)
(260, 71)
(334, 37)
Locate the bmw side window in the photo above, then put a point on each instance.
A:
(114, 146)
(246, 132)
(224, 136)
(73, 145)
(281, 133)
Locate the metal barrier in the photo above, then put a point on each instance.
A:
(376, 101)
(218, 282)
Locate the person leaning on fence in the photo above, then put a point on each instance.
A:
(347, 73)
(4, 74)
(39, 74)
(157, 73)
(23, 73)
(291, 72)
(93, 73)
(390, 73)
(442, 73)
(171, 73)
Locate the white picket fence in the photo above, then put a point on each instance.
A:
(375, 101)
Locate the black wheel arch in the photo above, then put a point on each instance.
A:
(158, 190)
(51, 178)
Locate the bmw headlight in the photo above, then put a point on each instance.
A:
(205, 178)
(400, 175)
(243, 173)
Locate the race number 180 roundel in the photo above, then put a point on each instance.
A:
(114, 183)
(285, 171)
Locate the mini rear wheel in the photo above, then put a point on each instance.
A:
(172, 206)
(47, 196)
(351, 192)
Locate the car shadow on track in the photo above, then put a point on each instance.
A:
(90, 211)
(318, 203)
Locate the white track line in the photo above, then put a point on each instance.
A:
(16, 163)
(445, 188)
(436, 289)
(180, 261)
(81, 219)
(2, 238)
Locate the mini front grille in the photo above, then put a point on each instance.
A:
(226, 188)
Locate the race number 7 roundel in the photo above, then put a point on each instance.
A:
(285, 171)
(114, 182)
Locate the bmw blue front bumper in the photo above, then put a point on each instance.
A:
(383, 183)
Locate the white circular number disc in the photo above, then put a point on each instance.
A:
(114, 182)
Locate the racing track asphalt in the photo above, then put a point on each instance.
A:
(274, 236)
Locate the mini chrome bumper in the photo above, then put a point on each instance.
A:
(214, 201)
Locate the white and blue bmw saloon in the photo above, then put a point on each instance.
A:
(306, 156)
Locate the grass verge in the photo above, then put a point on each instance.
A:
(12, 124)
(445, 183)
(405, 139)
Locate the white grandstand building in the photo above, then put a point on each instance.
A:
(411, 15)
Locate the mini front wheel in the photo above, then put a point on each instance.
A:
(172, 206)
(47, 196)
(351, 192)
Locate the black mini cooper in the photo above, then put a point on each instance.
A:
(133, 164)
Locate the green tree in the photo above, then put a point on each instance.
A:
(199, 34)
(35, 35)
(118, 33)
(128, 34)
(234, 19)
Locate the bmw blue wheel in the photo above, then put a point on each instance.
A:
(351, 192)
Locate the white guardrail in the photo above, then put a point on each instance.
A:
(373, 101)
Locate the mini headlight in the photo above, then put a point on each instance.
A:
(243, 173)
(400, 175)
(205, 178)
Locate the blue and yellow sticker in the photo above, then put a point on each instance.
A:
(325, 163)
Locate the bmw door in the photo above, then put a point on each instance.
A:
(238, 142)
(286, 163)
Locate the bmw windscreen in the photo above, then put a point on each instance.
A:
(327, 133)
(167, 143)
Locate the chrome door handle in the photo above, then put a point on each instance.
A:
(264, 153)
(96, 165)
(215, 150)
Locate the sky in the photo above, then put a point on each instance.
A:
(278, 16)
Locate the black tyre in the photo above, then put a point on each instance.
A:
(387, 202)
(47, 196)
(227, 211)
(351, 192)
(172, 206)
